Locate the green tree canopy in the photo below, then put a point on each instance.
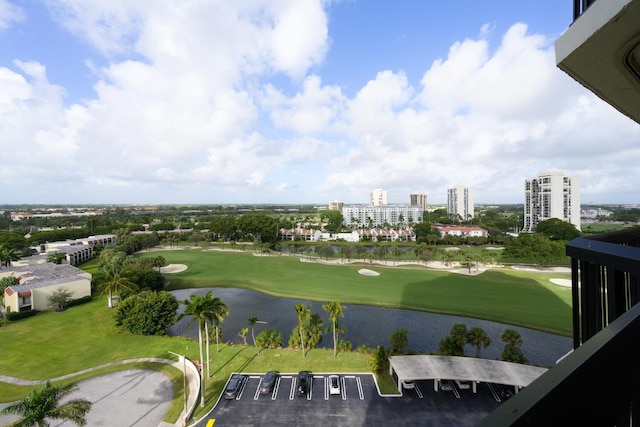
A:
(147, 313)
(478, 338)
(422, 230)
(333, 220)
(311, 331)
(399, 340)
(556, 229)
(223, 226)
(258, 226)
(536, 248)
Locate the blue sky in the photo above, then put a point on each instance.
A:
(297, 101)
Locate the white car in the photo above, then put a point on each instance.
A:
(334, 384)
(408, 384)
(463, 385)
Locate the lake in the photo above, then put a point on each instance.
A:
(366, 325)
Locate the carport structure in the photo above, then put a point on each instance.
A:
(412, 368)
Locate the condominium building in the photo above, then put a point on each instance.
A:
(336, 205)
(460, 203)
(374, 216)
(551, 195)
(378, 197)
(418, 199)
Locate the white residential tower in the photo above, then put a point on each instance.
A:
(551, 195)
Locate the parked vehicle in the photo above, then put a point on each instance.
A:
(304, 383)
(334, 384)
(268, 382)
(234, 386)
(463, 385)
(445, 385)
(409, 385)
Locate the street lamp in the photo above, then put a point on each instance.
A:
(252, 336)
(184, 383)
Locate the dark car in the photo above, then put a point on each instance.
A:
(304, 383)
(234, 386)
(268, 382)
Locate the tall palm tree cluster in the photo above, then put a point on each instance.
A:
(204, 310)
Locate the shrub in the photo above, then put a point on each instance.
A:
(269, 338)
(59, 298)
(344, 346)
(79, 301)
(17, 315)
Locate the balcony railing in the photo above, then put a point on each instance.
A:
(599, 382)
(579, 6)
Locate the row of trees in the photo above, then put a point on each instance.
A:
(451, 345)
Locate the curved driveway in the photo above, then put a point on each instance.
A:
(133, 397)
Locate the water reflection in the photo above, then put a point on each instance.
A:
(366, 325)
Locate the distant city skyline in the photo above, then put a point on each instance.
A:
(297, 101)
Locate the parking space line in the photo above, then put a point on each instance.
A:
(494, 392)
(418, 391)
(454, 389)
(276, 386)
(292, 391)
(344, 389)
(360, 390)
(326, 388)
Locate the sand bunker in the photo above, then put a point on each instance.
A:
(173, 268)
(367, 272)
(561, 282)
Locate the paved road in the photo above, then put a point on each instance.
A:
(133, 397)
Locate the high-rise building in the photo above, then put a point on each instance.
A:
(418, 199)
(378, 197)
(460, 203)
(551, 195)
(336, 205)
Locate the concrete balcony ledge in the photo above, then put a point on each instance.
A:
(594, 52)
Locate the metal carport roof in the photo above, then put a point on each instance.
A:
(464, 369)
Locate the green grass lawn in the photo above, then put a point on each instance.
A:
(53, 344)
(526, 299)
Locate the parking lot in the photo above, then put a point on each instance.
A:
(357, 404)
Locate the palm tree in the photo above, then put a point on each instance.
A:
(303, 313)
(43, 403)
(335, 310)
(159, 262)
(243, 334)
(214, 312)
(379, 360)
(252, 323)
(478, 338)
(56, 257)
(7, 255)
(197, 306)
(115, 281)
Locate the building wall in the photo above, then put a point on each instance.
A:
(418, 199)
(40, 288)
(360, 214)
(460, 202)
(336, 205)
(551, 195)
(78, 288)
(378, 197)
